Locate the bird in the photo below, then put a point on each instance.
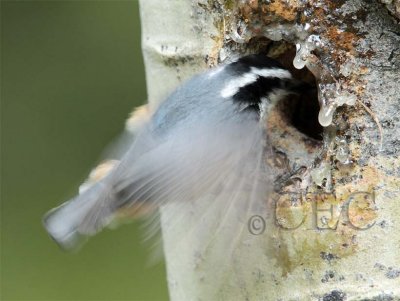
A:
(207, 139)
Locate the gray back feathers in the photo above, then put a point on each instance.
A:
(202, 142)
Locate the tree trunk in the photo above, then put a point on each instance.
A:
(332, 232)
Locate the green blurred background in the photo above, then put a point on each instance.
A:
(71, 72)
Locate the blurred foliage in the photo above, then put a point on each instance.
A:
(71, 72)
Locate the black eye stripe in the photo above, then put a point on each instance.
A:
(252, 93)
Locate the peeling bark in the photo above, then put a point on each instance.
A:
(355, 58)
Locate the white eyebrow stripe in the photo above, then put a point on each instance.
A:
(275, 72)
(234, 85)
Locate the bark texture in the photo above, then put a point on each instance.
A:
(339, 237)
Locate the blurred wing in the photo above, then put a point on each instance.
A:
(223, 162)
(207, 233)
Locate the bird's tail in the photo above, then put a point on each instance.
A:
(82, 216)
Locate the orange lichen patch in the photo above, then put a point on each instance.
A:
(388, 174)
(326, 228)
(344, 40)
(359, 198)
(361, 210)
(319, 16)
(253, 4)
(285, 10)
(367, 178)
(323, 198)
(370, 176)
(361, 194)
(290, 256)
(247, 10)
